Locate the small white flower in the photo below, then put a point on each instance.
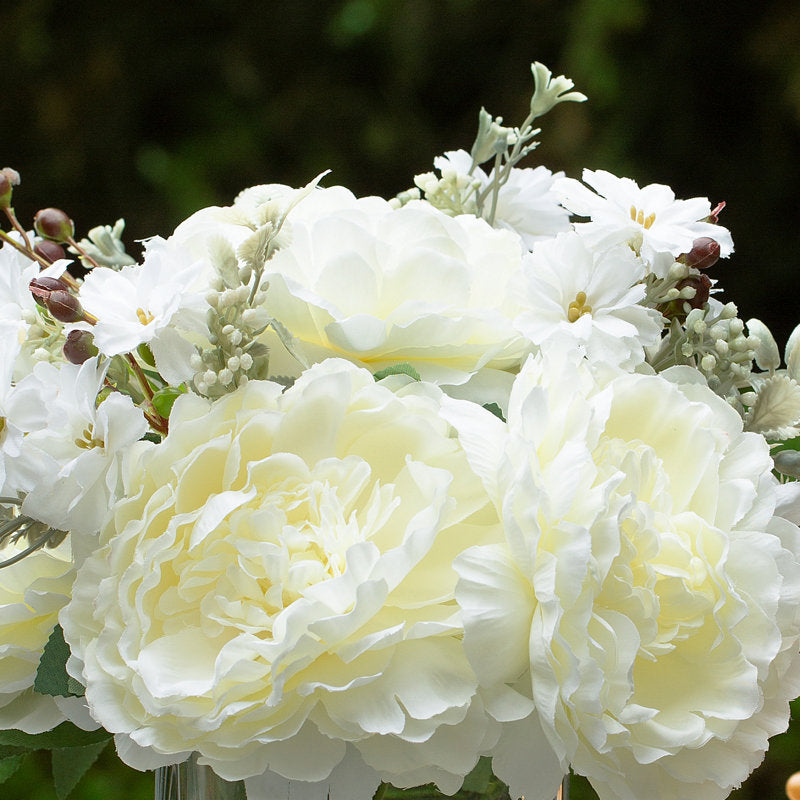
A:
(649, 219)
(69, 458)
(148, 303)
(590, 297)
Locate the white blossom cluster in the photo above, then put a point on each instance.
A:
(361, 491)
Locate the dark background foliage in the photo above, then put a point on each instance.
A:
(151, 110)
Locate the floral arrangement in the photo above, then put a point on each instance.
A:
(334, 493)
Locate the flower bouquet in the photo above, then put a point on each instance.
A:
(325, 496)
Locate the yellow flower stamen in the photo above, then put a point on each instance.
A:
(88, 442)
(144, 316)
(578, 307)
(637, 215)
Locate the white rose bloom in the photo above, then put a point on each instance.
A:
(276, 590)
(32, 592)
(70, 455)
(590, 297)
(646, 599)
(649, 218)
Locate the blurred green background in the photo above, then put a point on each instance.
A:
(151, 110)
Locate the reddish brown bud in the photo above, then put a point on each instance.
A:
(701, 285)
(9, 178)
(704, 253)
(53, 224)
(49, 251)
(54, 295)
(43, 286)
(79, 347)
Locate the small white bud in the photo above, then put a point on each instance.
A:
(233, 363)
(225, 376)
(209, 377)
(245, 361)
(708, 362)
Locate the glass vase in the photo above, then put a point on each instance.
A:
(193, 781)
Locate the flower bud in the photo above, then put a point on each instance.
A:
(79, 347)
(42, 286)
(55, 296)
(704, 253)
(49, 251)
(53, 224)
(9, 178)
(701, 285)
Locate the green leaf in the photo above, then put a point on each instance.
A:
(478, 780)
(70, 764)
(52, 677)
(165, 398)
(496, 410)
(146, 354)
(397, 369)
(64, 735)
(8, 766)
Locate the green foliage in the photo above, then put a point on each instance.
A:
(52, 677)
(165, 398)
(71, 764)
(397, 369)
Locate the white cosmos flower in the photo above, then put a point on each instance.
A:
(647, 598)
(276, 590)
(649, 219)
(69, 457)
(149, 303)
(590, 297)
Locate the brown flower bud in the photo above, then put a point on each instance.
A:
(54, 295)
(701, 285)
(49, 251)
(704, 253)
(53, 224)
(79, 347)
(42, 286)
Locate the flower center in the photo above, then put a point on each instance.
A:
(637, 215)
(578, 307)
(144, 316)
(87, 440)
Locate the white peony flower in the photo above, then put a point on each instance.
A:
(647, 598)
(592, 298)
(32, 591)
(649, 219)
(276, 590)
(381, 286)
(69, 458)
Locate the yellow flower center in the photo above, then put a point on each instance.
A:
(637, 215)
(144, 316)
(87, 440)
(578, 307)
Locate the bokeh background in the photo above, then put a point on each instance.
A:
(150, 110)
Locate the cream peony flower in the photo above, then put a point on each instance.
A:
(32, 592)
(276, 590)
(381, 286)
(647, 598)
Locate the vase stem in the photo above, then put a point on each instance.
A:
(193, 781)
